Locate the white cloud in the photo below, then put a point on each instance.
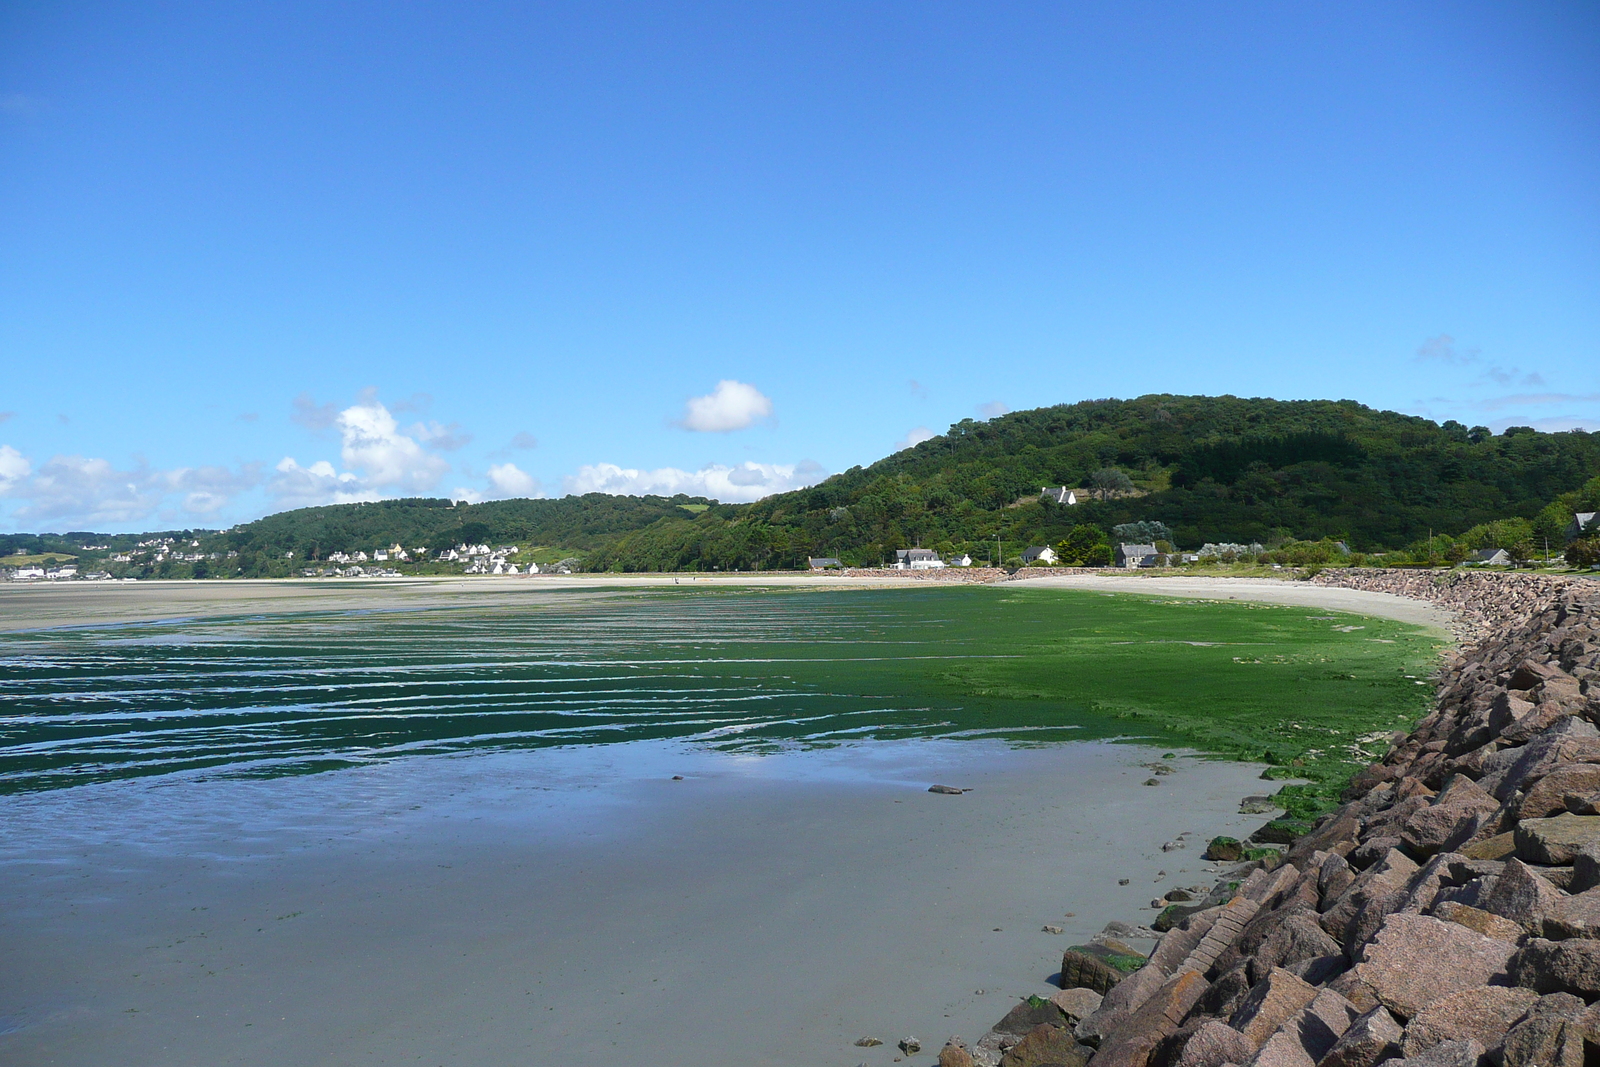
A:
(14, 467)
(915, 437)
(438, 435)
(1442, 349)
(312, 415)
(295, 486)
(373, 444)
(509, 480)
(206, 490)
(732, 406)
(745, 482)
(379, 460)
(992, 409)
(89, 491)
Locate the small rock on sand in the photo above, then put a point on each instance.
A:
(867, 1042)
(948, 790)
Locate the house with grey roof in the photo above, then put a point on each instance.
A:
(1131, 556)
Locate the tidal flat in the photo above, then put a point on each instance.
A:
(451, 833)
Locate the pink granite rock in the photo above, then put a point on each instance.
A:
(1483, 1014)
(1415, 960)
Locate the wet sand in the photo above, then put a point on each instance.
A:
(37, 605)
(578, 906)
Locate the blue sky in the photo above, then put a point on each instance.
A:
(259, 256)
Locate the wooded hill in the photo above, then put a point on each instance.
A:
(1220, 469)
(1212, 468)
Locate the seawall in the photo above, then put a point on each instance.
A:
(1446, 915)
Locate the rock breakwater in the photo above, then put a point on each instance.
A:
(1446, 915)
(1484, 600)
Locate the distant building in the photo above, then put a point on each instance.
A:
(916, 559)
(825, 563)
(1039, 554)
(1583, 522)
(1131, 556)
(962, 560)
(1490, 557)
(1060, 494)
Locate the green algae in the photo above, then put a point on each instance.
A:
(1311, 694)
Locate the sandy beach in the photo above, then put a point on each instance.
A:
(1263, 590)
(26, 606)
(578, 906)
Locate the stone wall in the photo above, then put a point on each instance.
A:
(1447, 915)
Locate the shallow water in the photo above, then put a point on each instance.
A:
(502, 867)
(291, 694)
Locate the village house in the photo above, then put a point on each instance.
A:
(824, 563)
(1583, 522)
(1490, 557)
(1132, 556)
(916, 559)
(1040, 554)
(962, 560)
(1060, 494)
(27, 574)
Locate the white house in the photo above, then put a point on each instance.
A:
(62, 572)
(27, 574)
(1040, 554)
(1490, 557)
(916, 559)
(962, 560)
(1584, 522)
(1060, 494)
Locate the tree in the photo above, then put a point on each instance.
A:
(1142, 533)
(1084, 546)
(1109, 480)
(1584, 552)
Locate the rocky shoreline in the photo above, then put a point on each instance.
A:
(1447, 915)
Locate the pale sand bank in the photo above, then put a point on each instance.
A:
(579, 907)
(35, 606)
(26, 606)
(1262, 590)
